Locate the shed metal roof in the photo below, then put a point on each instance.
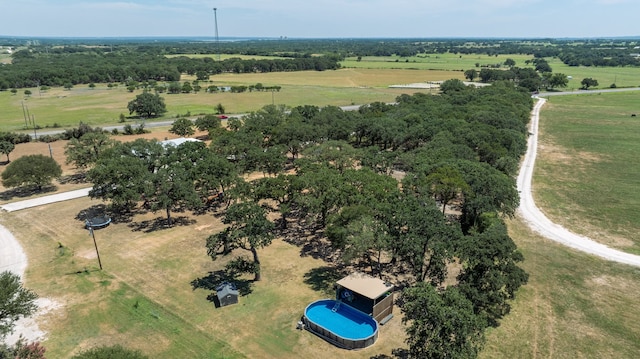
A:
(225, 289)
(365, 285)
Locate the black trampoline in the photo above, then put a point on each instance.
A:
(97, 222)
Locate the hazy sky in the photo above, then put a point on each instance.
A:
(321, 19)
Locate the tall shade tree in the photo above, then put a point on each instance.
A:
(446, 184)
(249, 230)
(182, 127)
(440, 325)
(36, 170)
(84, 152)
(15, 302)
(147, 105)
(491, 274)
(210, 123)
(6, 148)
(124, 172)
(588, 82)
(558, 80)
(424, 240)
(369, 239)
(172, 184)
(489, 191)
(324, 193)
(283, 189)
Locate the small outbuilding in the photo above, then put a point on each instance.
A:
(370, 295)
(227, 294)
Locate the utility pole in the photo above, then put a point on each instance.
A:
(24, 113)
(215, 17)
(33, 119)
(90, 228)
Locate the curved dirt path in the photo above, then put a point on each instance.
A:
(13, 258)
(540, 223)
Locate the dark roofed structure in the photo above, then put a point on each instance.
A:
(227, 294)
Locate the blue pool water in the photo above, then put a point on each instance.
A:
(344, 322)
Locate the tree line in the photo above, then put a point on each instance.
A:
(35, 67)
(56, 62)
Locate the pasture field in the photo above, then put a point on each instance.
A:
(574, 305)
(621, 76)
(102, 106)
(587, 175)
(447, 62)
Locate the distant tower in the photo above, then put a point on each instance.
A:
(215, 17)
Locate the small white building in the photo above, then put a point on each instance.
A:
(178, 141)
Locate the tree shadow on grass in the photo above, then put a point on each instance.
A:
(91, 212)
(214, 279)
(75, 178)
(160, 223)
(102, 210)
(26, 191)
(323, 279)
(312, 242)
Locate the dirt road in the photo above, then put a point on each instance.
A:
(13, 258)
(541, 224)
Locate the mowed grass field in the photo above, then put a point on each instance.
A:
(574, 305)
(145, 297)
(587, 174)
(102, 106)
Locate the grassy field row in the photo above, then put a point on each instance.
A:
(587, 177)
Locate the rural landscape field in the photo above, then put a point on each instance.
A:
(155, 292)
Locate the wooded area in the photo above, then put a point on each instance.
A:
(328, 171)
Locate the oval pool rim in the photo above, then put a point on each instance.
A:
(335, 339)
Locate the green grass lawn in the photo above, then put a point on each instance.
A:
(574, 306)
(621, 76)
(587, 174)
(448, 61)
(145, 297)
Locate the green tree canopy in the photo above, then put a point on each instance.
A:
(182, 127)
(147, 105)
(6, 147)
(37, 170)
(491, 276)
(440, 324)
(15, 302)
(85, 151)
(588, 82)
(249, 229)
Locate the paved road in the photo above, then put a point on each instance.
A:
(58, 197)
(586, 92)
(541, 224)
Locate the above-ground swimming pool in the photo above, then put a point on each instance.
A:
(340, 324)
